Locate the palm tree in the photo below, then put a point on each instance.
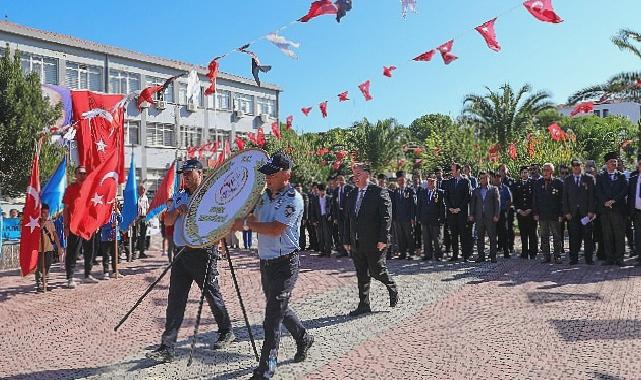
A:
(624, 86)
(377, 143)
(502, 114)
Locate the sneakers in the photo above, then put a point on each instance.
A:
(91, 278)
(224, 340)
(162, 354)
(71, 283)
(301, 350)
(105, 276)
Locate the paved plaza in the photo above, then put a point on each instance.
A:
(516, 319)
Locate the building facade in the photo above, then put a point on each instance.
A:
(161, 132)
(631, 110)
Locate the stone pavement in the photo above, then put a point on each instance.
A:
(513, 320)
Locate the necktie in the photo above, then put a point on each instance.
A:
(359, 200)
(429, 196)
(578, 181)
(611, 177)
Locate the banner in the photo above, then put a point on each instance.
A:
(10, 229)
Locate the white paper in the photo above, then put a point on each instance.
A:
(585, 220)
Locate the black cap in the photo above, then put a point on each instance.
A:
(190, 165)
(611, 156)
(279, 161)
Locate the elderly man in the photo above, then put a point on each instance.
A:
(548, 211)
(430, 211)
(611, 190)
(579, 209)
(485, 208)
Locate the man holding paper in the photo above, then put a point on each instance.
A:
(579, 209)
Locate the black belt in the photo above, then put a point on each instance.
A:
(280, 258)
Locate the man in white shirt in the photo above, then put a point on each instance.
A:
(140, 226)
(320, 213)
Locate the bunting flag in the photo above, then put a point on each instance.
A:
(290, 122)
(489, 34)
(319, 8)
(343, 96)
(408, 6)
(542, 10)
(130, 206)
(364, 87)
(256, 66)
(165, 191)
(252, 138)
(193, 88)
(425, 57)
(212, 75)
(323, 109)
(276, 130)
(306, 110)
(125, 101)
(446, 52)
(582, 108)
(54, 190)
(387, 70)
(147, 95)
(287, 47)
(30, 225)
(342, 6)
(556, 133)
(260, 138)
(511, 151)
(240, 143)
(493, 152)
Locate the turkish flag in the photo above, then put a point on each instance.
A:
(276, 130)
(511, 151)
(542, 10)
(240, 143)
(147, 95)
(364, 87)
(586, 107)
(323, 108)
(260, 138)
(343, 96)
(489, 34)
(30, 226)
(556, 133)
(446, 52)
(95, 201)
(165, 190)
(252, 137)
(425, 57)
(387, 70)
(319, 8)
(212, 74)
(290, 121)
(98, 137)
(306, 110)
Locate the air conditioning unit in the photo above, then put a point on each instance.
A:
(264, 118)
(238, 114)
(191, 107)
(161, 104)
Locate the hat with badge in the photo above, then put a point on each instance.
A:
(190, 165)
(278, 162)
(611, 156)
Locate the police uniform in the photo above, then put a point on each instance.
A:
(524, 200)
(279, 268)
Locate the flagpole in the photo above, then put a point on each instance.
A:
(116, 255)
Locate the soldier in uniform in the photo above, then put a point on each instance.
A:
(523, 204)
(548, 211)
(578, 203)
(404, 216)
(190, 266)
(611, 190)
(276, 220)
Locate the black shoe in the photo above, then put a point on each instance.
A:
(619, 263)
(507, 256)
(143, 256)
(301, 350)
(393, 298)
(39, 289)
(480, 260)
(161, 355)
(453, 259)
(607, 263)
(258, 377)
(573, 262)
(359, 311)
(532, 257)
(523, 256)
(590, 262)
(224, 340)
(493, 259)
(402, 256)
(425, 258)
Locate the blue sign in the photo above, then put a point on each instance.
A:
(10, 229)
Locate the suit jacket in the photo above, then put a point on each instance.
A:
(458, 195)
(523, 195)
(431, 210)
(373, 222)
(579, 200)
(548, 201)
(616, 190)
(483, 210)
(632, 192)
(305, 206)
(403, 205)
(338, 201)
(315, 208)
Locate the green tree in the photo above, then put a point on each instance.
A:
(379, 143)
(23, 115)
(421, 128)
(597, 135)
(503, 114)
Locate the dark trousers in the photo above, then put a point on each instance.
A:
(529, 237)
(418, 240)
(278, 278)
(598, 239)
(461, 230)
(302, 237)
(334, 229)
(482, 228)
(636, 221)
(432, 241)
(405, 236)
(551, 229)
(324, 235)
(313, 239)
(140, 235)
(48, 259)
(447, 239)
(341, 236)
(580, 234)
(629, 234)
(503, 233)
(188, 267)
(613, 225)
(247, 239)
(108, 255)
(75, 245)
(368, 265)
(510, 229)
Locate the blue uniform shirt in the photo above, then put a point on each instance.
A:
(287, 208)
(182, 198)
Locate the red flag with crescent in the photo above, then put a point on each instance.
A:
(586, 107)
(542, 10)
(489, 34)
(276, 130)
(387, 70)
(425, 57)
(323, 108)
(30, 225)
(446, 52)
(511, 151)
(290, 122)
(343, 96)
(364, 87)
(306, 110)
(556, 133)
(240, 143)
(260, 138)
(319, 8)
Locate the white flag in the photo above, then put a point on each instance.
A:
(408, 6)
(283, 44)
(193, 88)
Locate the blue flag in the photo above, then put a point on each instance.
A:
(53, 192)
(130, 208)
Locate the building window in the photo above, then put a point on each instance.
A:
(190, 136)
(245, 103)
(122, 82)
(209, 100)
(597, 112)
(219, 135)
(84, 77)
(223, 100)
(606, 112)
(267, 106)
(2, 51)
(132, 132)
(159, 134)
(167, 96)
(182, 94)
(46, 68)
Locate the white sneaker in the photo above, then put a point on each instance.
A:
(105, 276)
(71, 283)
(91, 278)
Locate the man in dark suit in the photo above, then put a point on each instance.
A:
(548, 211)
(403, 216)
(502, 227)
(417, 185)
(611, 190)
(430, 211)
(381, 180)
(311, 229)
(457, 197)
(338, 210)
(578, 204)
(508, 181)
(485, 207)
(319, 215)
(368, 221)
(634, 208)
(523, 204)
(441, 183)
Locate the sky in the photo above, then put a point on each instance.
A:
(335, 57)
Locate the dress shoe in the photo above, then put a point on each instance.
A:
(573, 262)
(523, 256)
(224, 340)
(619, 263)
(161, 355)
(359, 311)
(589, 262)
(480, 260)
(493, 260)
(393, 298)
(453, 259)
(258, 377)
(301, 349)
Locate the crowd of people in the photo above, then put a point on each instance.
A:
(447, 215)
